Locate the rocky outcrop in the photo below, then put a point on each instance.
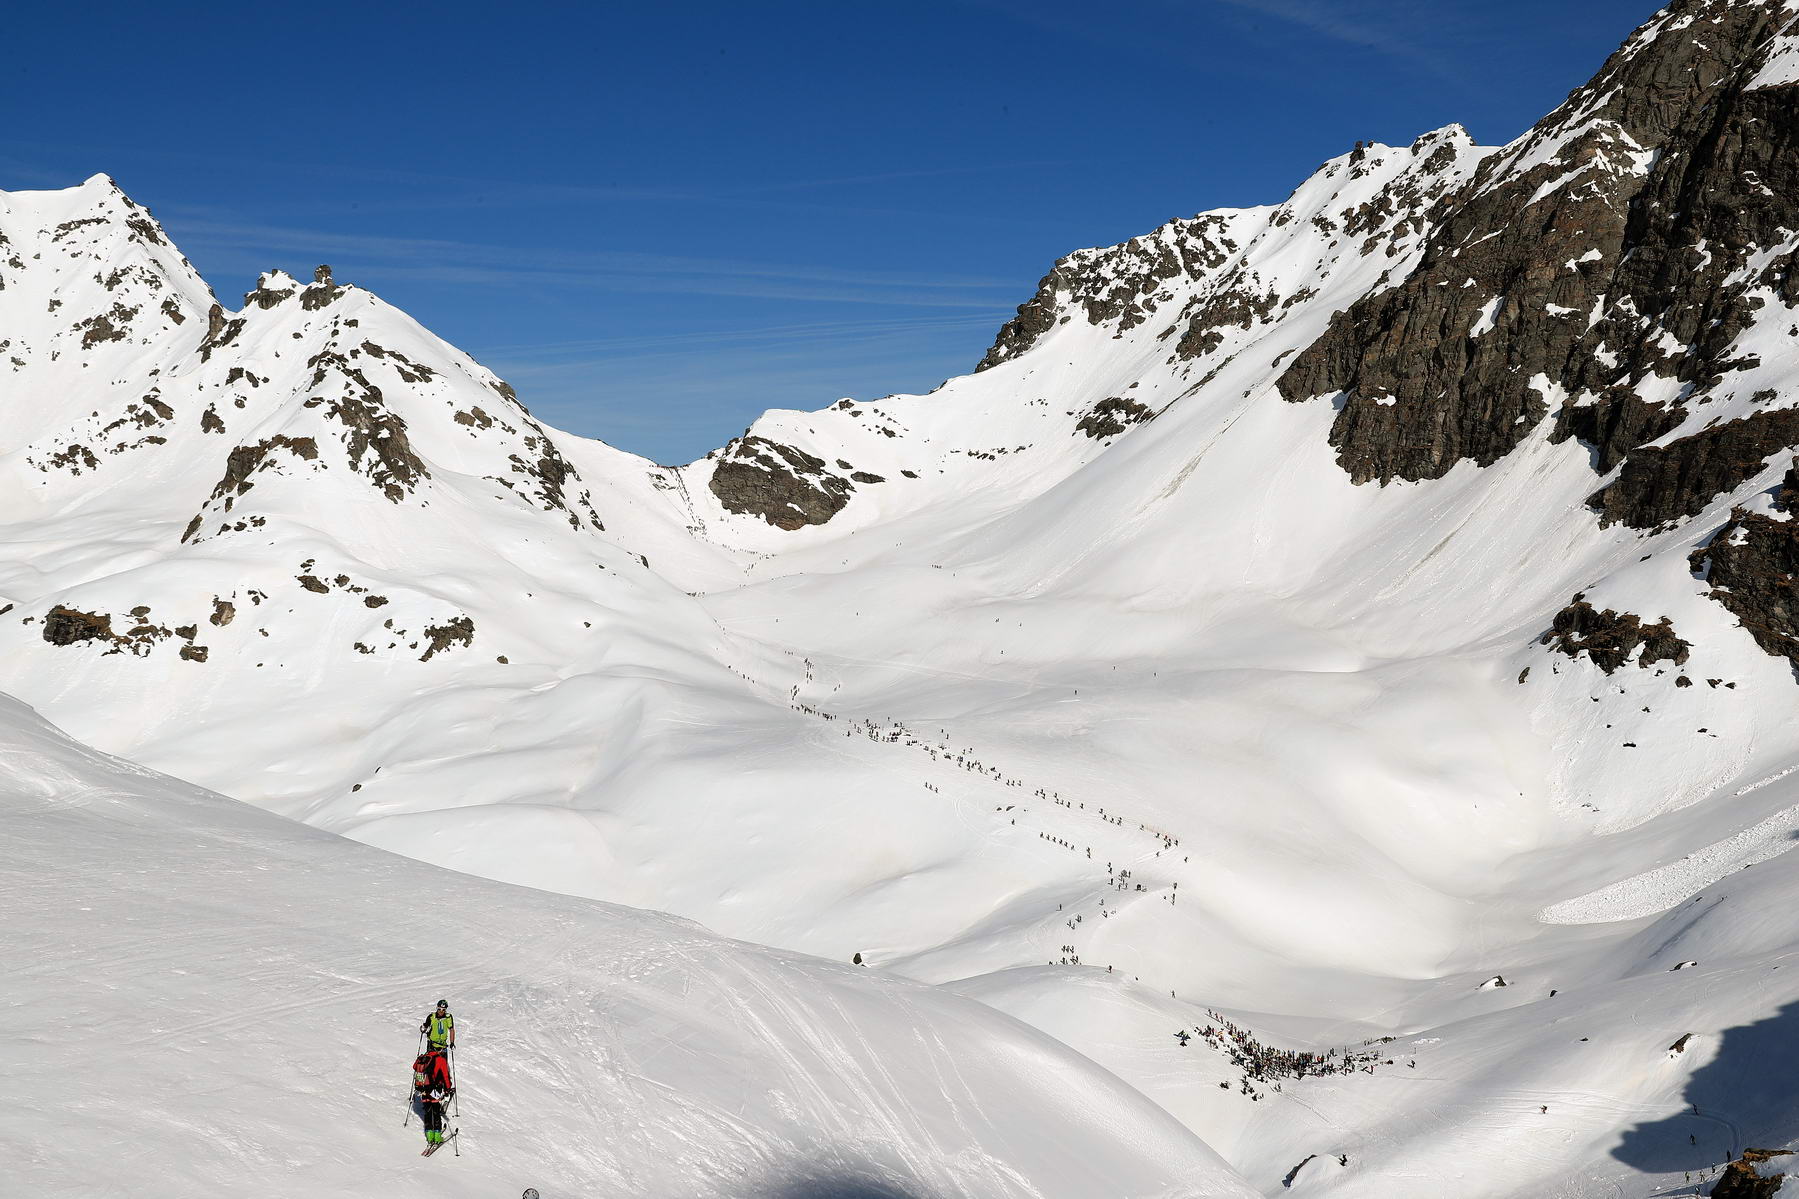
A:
(272, 288)
(242, 465)
(1752, 569)
(1588, 256)
(1662, 484)
(1755, 1175)
(1112, 416)
(1611, 639)
(66, 626)
(1123, 284)
(457, 631)
(321, 291)
(374, 434)
(785, 486)
(220, 331)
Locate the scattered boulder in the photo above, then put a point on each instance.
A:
(66, 626)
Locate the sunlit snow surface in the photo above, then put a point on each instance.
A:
(1181, 703)
(202, 999)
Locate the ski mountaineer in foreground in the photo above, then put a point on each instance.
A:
(440, 1027)
(432, 1069)
(431, 1108)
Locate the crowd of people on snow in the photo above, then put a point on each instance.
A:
(1265, 1064)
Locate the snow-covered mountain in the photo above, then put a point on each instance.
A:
(1310, 614)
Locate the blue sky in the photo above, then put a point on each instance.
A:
(658, 220)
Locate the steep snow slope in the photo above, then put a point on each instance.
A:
(1112, 340)
(206, 1000)
(1310, 612)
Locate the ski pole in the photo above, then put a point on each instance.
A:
(455, 1089)
(409, 1089)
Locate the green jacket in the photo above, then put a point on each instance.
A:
(437, 1028)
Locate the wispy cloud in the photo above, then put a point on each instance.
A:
(986, 168)
(414, 191)
(487, 265)
(669, 398)
(1358, 26)
(838, 332)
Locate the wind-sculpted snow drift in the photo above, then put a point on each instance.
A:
(1314, 613)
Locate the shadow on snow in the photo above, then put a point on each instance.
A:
(1742, 1094)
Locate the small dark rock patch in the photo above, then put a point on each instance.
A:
(1112, 416)
(1610, 638)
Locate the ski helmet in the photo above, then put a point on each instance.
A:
(443, 1003)
(530, 1193)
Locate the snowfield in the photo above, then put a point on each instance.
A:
(1354, 632)
(204, 999)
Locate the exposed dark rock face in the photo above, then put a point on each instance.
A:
(1665, 483)
(787, 487)
(1752, 1176)
(1112, 416)
(321, 291)
(1460, 361)
(457, 631)
(1122, 284)
(246, 460)
(1230, 308)
(242, 464)
(111, 325)
(219, 331)
(1752, 567)
(266, 297)
(558, 486)
(410, 371)
(374, 435)
(1611, 638)
(66, 626)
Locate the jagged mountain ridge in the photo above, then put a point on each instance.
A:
(1406, 733)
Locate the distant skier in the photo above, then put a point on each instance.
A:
(431, 1109)
(440, 1027)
